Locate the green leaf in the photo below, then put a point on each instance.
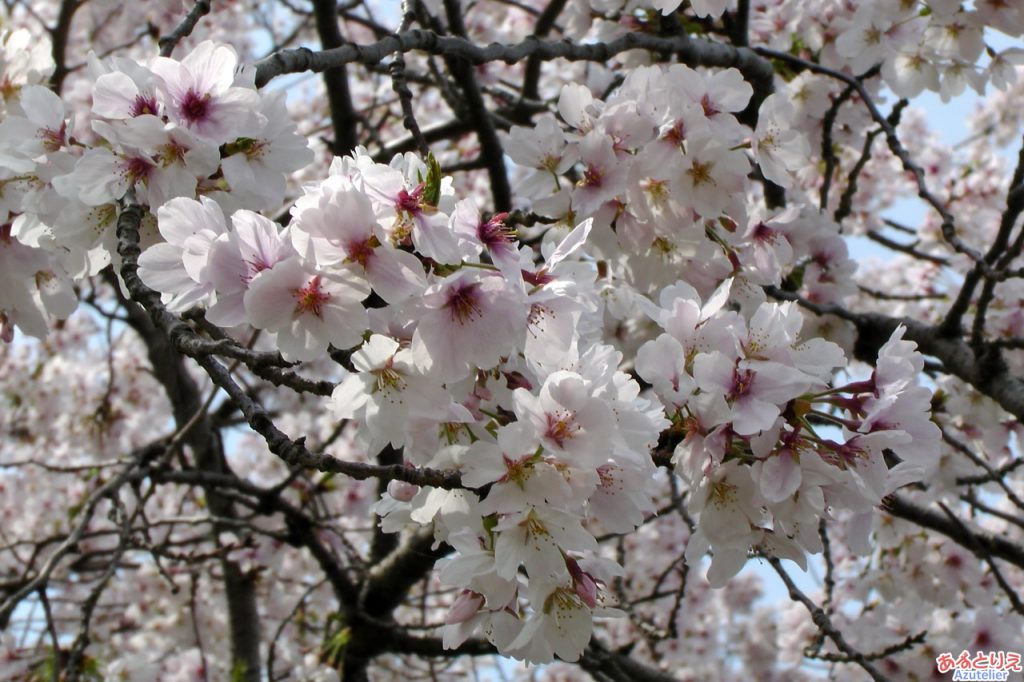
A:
(334, 645)
(238, 671)
(432, 185)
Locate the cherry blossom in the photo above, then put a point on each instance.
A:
(508, 336)
(200, 93)
(307, 309)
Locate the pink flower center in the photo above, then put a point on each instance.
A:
(310, 299)
(195, 107)
(360, 252)
(710, 107)
(607, 474)
(253, 267)
(592, 177)
(463, 302)
(53, 140)
(676, 134)
(741, 383)
(137, 169)
(537, 279)
(172, 152)
(142, 105)
(410, 202)
(561, 427)
(764, 234)
(494, 234)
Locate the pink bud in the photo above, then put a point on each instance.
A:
(6, 328)
(402, 491)
(466, 605)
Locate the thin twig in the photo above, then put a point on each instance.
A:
(185, 28)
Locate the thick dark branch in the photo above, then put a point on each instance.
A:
(386, 586)
(978, 542)
(389, 581)
(343, 114)
(997, 254)
(694, 51)
(59, 35)
(158, 329)
(545, 22)
(986, 372)
(490, 145)
(741, 23)
(617, 666)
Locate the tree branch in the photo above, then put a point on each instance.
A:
(694, 51)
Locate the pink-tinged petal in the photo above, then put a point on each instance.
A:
(572, 243)
(482, 463)
(395, 275)
(113, 95)
(160, 268)
(213, 66)
(345, 324)
(751, 415)
(780, 477)
(227, 271)
(43, 106)
(434, 239)
(172, 75)
(270, 302)
(228, 311)
(465, 606)
(95, 180)
(714, 372)
(725, 564)
(181, 218)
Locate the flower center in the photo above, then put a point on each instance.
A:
(142, 105)
(361, 252)
(741, 383)
(700, 172)
(592, 177)
(137, 169)
(53, 140)
(494, 233)
(388, 379)
(410, 202)
(676, 134)
(709, 106)
(195, 107)
(310, 299)
(562, 427)
(463, 302)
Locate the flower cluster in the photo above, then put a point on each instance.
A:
(169, 129)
